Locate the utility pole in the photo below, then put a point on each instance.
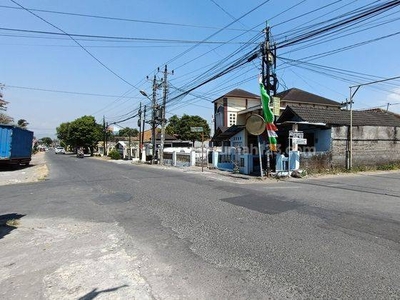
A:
(129, 145)
(268, 78)
(349, 160)
(143, 124)
(165, 87)
(163, 110)
(139, 124)
(153, 119)
(105, 135)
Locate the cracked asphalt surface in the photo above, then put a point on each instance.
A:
(113, 230)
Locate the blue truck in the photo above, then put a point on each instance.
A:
(15, 145)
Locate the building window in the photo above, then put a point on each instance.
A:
(232, 119)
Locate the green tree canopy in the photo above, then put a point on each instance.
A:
(82, 132)
(173, 125)
(22, 123)
(4, 119)
(63, 132)
(47, 141)
(181, 127)
(128, 132)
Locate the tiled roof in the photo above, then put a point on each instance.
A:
(239, 93)
(224, 133)
(297, 95)
(339, 117)
(167, 137)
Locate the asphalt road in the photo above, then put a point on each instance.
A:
(194, 236)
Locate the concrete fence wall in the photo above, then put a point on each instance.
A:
(372, 145)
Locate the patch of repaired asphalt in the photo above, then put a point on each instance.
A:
(68, 259)
(262, 204)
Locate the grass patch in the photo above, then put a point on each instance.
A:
(388, 167)
(355, 169)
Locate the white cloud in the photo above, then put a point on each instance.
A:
(394, 95)
(393, 98)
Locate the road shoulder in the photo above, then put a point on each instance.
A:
(36, 171)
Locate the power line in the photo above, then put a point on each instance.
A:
(117, 38)
(65, 92)
(286, 10)
(211, 74)
(236, 64)
(124, 120)
(333, 27)
(304, 14)
(343, 75)
(117, 18)
(215, 33)
(335, 38)
(79, 44)
(349, 47)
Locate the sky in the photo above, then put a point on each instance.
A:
(61, 60)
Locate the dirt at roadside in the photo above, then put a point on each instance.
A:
(36, 171)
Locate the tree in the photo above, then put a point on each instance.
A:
(173, 125)
(128, 132)
(22, 123)
(3, 103)
(82, 132)
(63, 132)
(47, 141)
(181, 127)
(4, 119)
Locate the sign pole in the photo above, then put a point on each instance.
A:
(202, 151)
(200, 129)
(260, 157)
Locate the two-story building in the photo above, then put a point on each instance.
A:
(323, 125)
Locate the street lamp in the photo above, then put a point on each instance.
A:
(153, 123)
(357, 87)
(144, 94)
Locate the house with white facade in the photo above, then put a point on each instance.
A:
(237, 146)
(321, 124)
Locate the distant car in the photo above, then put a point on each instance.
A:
(59, 150)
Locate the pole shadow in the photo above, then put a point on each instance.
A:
(8, 223)
(94, 293)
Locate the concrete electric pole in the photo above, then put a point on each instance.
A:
(269, 79)
(153, 119)
(163, 111)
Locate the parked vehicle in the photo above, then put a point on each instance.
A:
(80, 153)
(15, 145)
(59, 150)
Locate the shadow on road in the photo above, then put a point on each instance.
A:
(8, 223)
(94, 293)
(8, 168)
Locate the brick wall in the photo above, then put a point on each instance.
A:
(372, 145)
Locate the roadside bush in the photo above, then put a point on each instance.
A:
(388, 167)
(114, 154)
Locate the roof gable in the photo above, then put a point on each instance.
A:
(239, 93)
(300, 96)
(167, 137)
(339, 117)
(225, 133)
